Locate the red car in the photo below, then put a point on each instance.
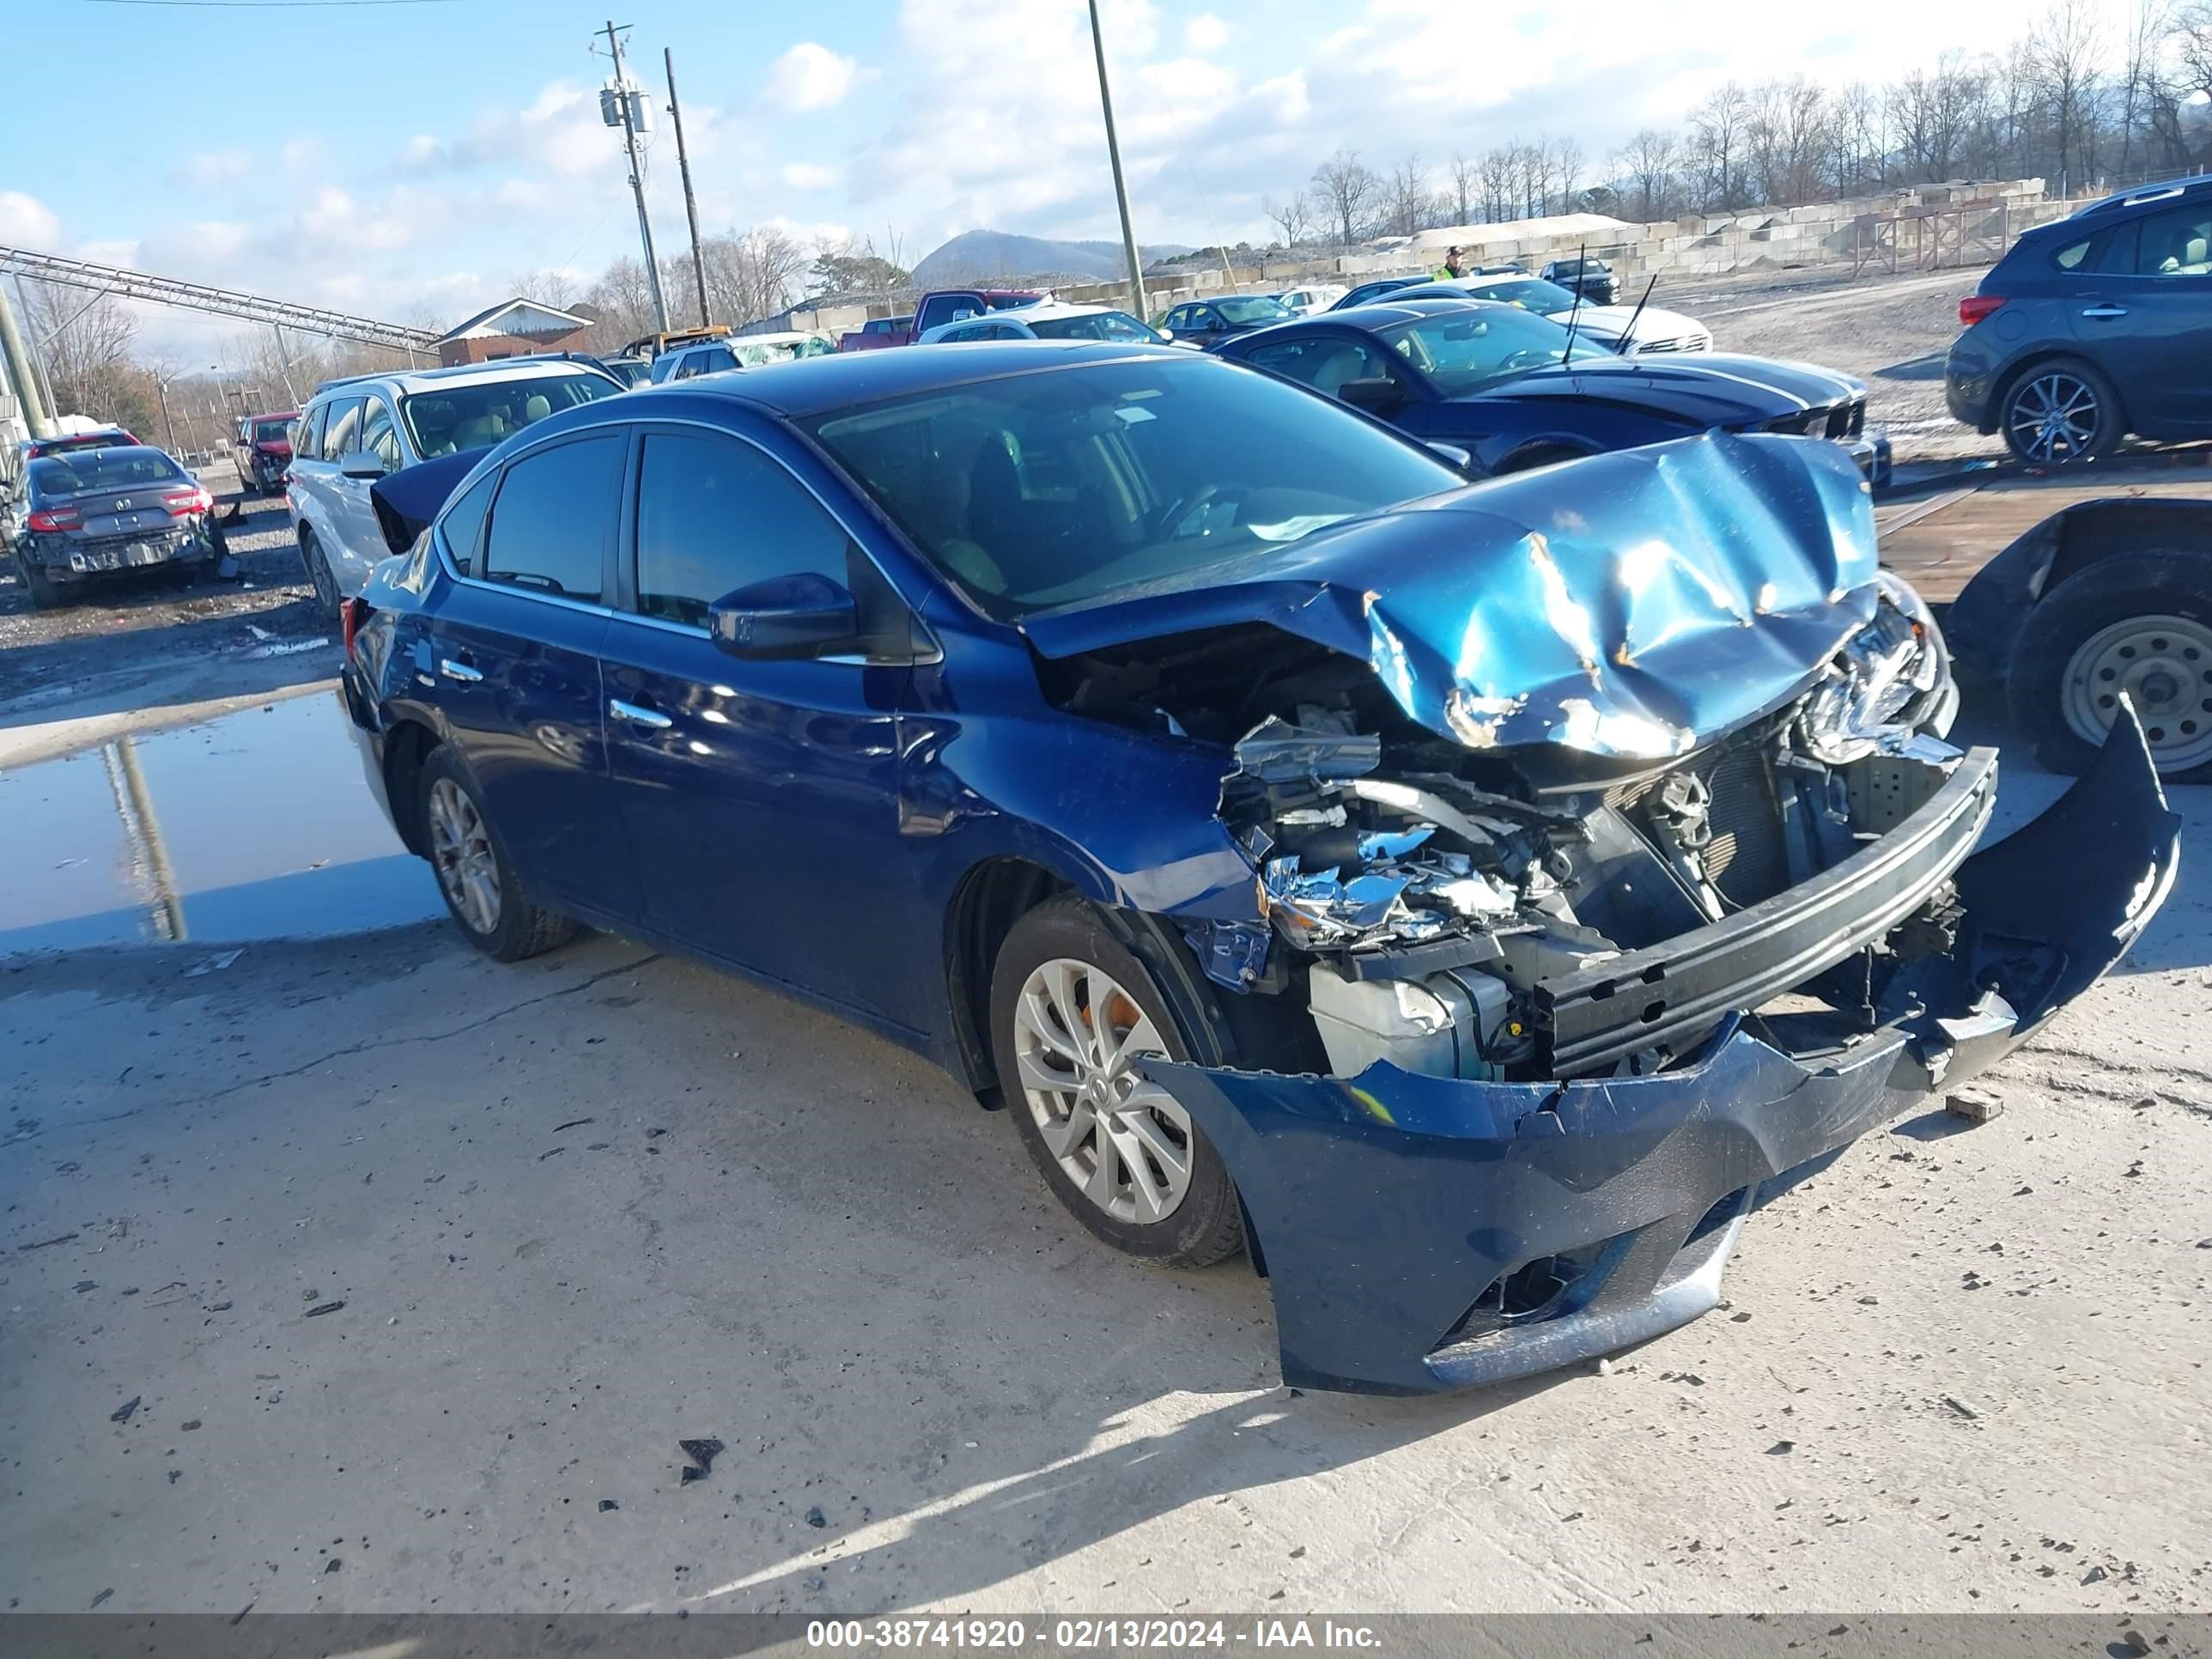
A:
(946, 305)
(265, 450)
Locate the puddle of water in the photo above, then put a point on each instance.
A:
(258, 826)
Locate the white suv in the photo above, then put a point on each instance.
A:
(353, 431)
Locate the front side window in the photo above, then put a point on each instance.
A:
(1462, 350)
(1246, 309)
(455, 418)
(550, 519)
(714, 515)
(944, 308)
(1048, 489)
(2176, 243)
(342, 430)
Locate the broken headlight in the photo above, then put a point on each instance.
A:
(1881, 684)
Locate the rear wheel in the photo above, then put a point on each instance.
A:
(2138, 624)
(43, 589)
(473, 873)
(1071, 1007)
(318, 572)
(2060, 411)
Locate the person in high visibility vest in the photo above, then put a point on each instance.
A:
(1453, 267)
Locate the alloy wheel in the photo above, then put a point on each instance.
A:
(1123, 1141)
(2164, 665)
(2055, 417)
(460, 848)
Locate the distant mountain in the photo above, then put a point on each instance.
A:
(976, 256)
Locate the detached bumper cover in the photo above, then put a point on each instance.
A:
(1388, 1208)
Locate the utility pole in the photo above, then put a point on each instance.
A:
(36, 416)
(636, 177)
(1120, 189)
(169, 425)
(283, 365)
(690, 207)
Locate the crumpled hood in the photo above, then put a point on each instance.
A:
(1633, 604)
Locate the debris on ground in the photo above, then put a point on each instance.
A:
(102, 1596)
(703, 1453)
(1782, 1448)
(1962, 1408)
(573, 1123)
(1975, 1105)
(327, 1307)
(45, 1243)
(606, 1504)
(816, 1518)
(332, 1564)
(216, 963)
(122, 1413)
(191, 1423)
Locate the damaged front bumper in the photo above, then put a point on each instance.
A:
(1422, 1232)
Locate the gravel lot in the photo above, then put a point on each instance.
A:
(366, 1275)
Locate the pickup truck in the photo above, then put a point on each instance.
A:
(947, 305)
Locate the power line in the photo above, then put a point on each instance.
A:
(267, 5)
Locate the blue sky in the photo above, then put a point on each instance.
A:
(408, 161)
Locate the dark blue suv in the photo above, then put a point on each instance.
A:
(2093, 327)
(1308, 850)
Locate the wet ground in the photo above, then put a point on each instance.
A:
(258, 825)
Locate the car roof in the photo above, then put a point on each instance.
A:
(431, 379)
(2142, 195)
(815, 385)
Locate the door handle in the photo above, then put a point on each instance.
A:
(637, 716)
(459, 671)
(2101, 312)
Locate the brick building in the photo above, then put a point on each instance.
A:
(513, 328)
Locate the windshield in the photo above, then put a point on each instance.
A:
(1532, 293)
(753, 354)
(455, 418)
(1252, 308)
(1051, 488)
(1011, 302)
(80, 440)
(1106, 325)
(1465, 350)
(269, 431)
(88, 470)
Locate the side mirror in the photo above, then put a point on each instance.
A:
(1377, 396)
(784, 617)
(1459, 459)
(362, 464)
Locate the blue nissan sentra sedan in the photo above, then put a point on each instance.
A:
(1313, 854)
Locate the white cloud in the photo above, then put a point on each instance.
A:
(26, 222)
(806, 175)
(1206, 32)
(810, 77)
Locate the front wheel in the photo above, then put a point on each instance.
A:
(2138, 624)
(1071, 1008)
(473, 873)
(2060, 411)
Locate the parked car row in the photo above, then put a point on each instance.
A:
(93, 503)
(1311, 852)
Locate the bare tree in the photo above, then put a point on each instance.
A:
(1406, 197)
(2064, 47)
(1348, 189)
(1567, 157)
(1497, 166)
(1291, 215)
(1648, 161)
(547, 288)
(85, 345)
(1466, 177)
(1717, 126)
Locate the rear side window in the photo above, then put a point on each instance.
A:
(549, 521)
(342, 431)
(462, 526)
(714, 515)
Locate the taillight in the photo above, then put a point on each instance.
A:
(55, 518)
(1976, 306)
(352, 613)
(182, 503)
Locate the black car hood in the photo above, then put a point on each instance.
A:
(407, 499)
(1705, 388)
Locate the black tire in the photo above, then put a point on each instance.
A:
(2156, 583)
(1207, 1225)
(520, 929)
(45, 592)
(2049, 378)
(318, 574)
